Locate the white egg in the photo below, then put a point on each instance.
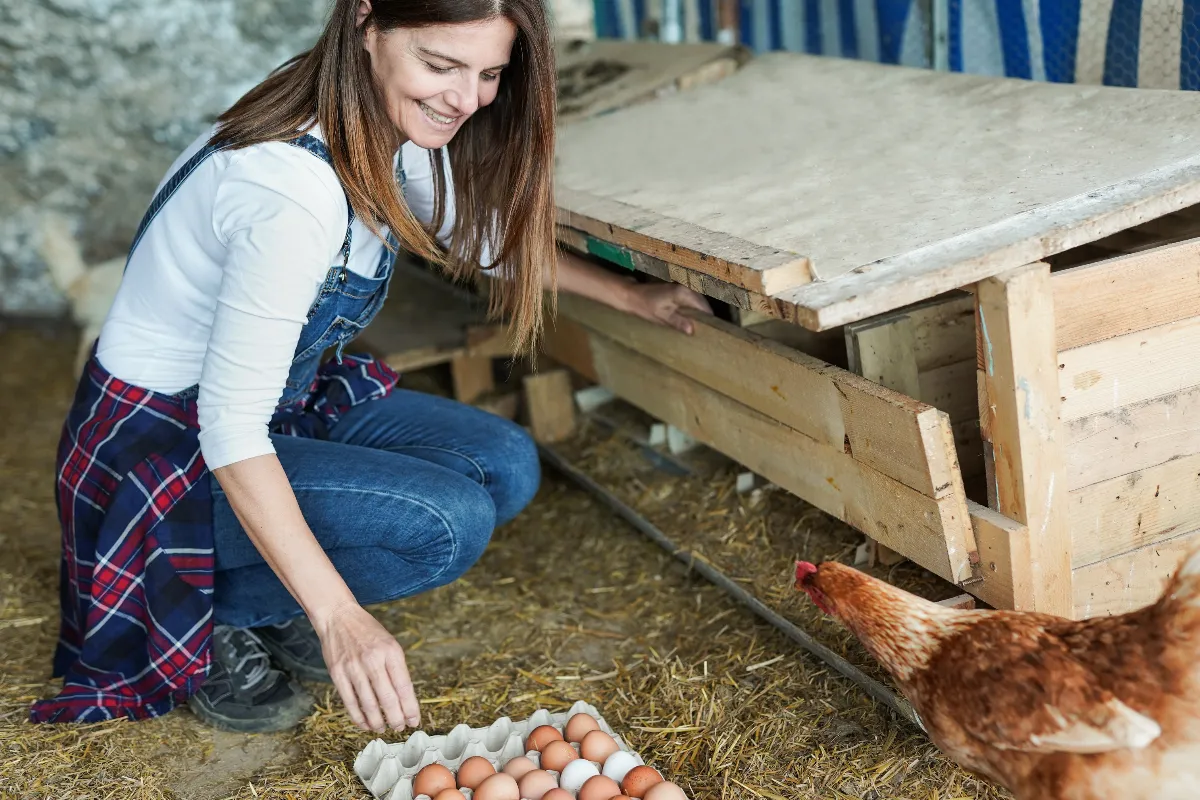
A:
(618, 764)
(576, 773)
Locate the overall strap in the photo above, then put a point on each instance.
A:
(306, 142)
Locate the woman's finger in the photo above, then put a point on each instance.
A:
(693, 299)
(677, 320)
(349, 698)
(366, 696)
(398, 671)
(386, 694)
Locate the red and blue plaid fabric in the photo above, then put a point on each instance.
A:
(135, 505)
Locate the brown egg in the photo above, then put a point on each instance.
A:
(598, 787)
(541, 736)
(664, 791)
(638, 780)
(474, 771)
(557, 794)
(432, 779)
(597, 746)
(518, 766)
(579, 725)
(557, 755)
(498, 787)
(535, 783)
(449, 794)
(620, 797)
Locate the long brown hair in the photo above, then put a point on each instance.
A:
(501, 158)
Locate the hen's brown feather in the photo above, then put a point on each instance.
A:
(1047, 707)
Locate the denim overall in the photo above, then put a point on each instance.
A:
(346, 302)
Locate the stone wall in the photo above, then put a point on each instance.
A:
(97, 97)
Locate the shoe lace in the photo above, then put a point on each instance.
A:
(250, 651)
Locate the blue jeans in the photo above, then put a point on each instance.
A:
(403, 497)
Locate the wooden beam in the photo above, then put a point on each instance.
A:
(885, 354)
(1123, 295)
(1022, 423)
(551, 405)
(1133, 438)
(922, 528)
(1128, 369)
(569, 343)
(1132, 580)
(750, 266)
(1005, 560)
(887, 431)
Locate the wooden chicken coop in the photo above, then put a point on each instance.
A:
(965, 310)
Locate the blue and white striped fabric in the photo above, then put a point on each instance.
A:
(1143, 43)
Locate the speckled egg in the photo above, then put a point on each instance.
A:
(638, 780)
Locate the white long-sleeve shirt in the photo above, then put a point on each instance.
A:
(220, 286)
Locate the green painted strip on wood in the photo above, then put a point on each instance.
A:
(610, 252)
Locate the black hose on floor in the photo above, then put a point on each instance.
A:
(865, 682)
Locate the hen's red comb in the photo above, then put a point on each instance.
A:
(804, 569)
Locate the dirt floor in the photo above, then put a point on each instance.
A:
(568, 603)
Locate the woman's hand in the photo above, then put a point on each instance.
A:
(656, 302)
(662, 303)
(368, 668)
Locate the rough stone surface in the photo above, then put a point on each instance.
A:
(97, 97)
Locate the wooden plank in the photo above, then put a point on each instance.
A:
(1132, 438)
(1084, 176)
(551, 404)
(894, 434)
(944, 332)
(725, 258)
(570, 344)
(1130, 581)
(472, 377)
(885, 355)
(1135, 510)
(952, 389)
(888, 511)
(600, 76)
(1100, 377)
(1123, 295)
(1005, 560)
(1022, 423)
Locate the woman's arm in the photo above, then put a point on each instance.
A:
(365, 661)
(278, 250)
(657, 302)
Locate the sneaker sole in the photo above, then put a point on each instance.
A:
(288, 717)
(297, 669)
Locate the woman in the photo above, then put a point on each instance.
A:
(230, 503)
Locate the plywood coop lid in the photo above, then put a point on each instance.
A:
(841, 189)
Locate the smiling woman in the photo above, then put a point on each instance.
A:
(230, 499)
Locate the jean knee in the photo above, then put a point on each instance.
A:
(516, 470)
(470, 520)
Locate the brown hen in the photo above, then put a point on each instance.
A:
(1049, 708)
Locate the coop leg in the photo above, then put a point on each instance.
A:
(472, 377)
(551, 405)
(1021, 425)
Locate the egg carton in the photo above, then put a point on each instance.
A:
(387, 770)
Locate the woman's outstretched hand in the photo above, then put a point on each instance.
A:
(368, 668)
(663, 302)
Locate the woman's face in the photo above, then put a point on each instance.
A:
(435, 78)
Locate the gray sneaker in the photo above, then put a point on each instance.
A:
(243, 693)
(297, 648)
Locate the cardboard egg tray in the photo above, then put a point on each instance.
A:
(387, 770)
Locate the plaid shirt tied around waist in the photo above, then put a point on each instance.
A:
(135, 504)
